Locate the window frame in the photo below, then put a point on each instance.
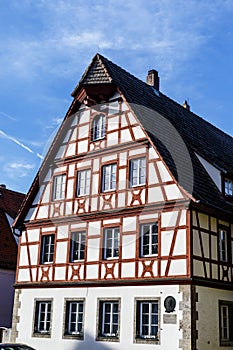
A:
(226, 242)
(37, 316)
(138, 337)
(80, 235)
(111, 184)
(101, 317)
(142, 244)
(228, 340)
(87, 183)
(67, 333)
(51, 252)
(59, 194)
(98, 127)
(111, 231)
(138, 171)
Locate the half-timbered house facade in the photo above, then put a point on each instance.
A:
(127, 230)
(10, 202)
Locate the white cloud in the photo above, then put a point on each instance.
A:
(21, 166)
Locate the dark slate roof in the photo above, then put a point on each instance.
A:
(154, 111)
(10, 202)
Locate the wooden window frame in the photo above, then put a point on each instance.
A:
(37, 329)
(102, 335)
(79, 319)
(111, 231)
(226, 243)
(87, 183)
(226, 192)
(111, 181)
(98, 127)
(62, 187)
(139, 336)
(151, 244)
(80, 251)
(51, 252)
(138, 171)
(225, 323)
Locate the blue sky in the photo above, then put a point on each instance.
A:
(45, 46)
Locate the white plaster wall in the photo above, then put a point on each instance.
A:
(208, 317)
(7, 279)
(169, 333)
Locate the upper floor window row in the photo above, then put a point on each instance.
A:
(137, 177)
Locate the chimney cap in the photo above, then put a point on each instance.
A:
(153, 78)
(2, 186)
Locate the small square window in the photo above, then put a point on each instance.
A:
(74, 317)
(108, 322)
(42, 318)
(77, 245)
(59, 187)
(47, 249)
(137, 172)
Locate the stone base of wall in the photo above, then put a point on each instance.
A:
(15, 318)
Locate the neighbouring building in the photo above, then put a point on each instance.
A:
(10, 202)
(127, 230)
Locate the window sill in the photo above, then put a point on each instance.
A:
(108, 339)
(226, 343)
(147, 340)
(41, 335)
(73, 336)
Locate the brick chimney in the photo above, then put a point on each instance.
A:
(153, 79)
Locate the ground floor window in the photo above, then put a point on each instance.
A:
(108, 322)
(74, 311)
(42, 317)
(147, 320)
(226, 323)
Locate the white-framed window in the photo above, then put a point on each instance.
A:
(111, 243)
(228, 187)
(42, 318)
(59, 187)
(109, 177)
(98, 127)
(77, 245)
(137, 172)
(147, 319)
(109, 319)
(47, 249)
(223, 244)
(83, 182)
(149, 239)
(226, 323)
(74, 318)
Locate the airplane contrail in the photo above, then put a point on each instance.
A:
(20, 144)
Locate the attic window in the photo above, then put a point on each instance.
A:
(98, 127)
(228, 187)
